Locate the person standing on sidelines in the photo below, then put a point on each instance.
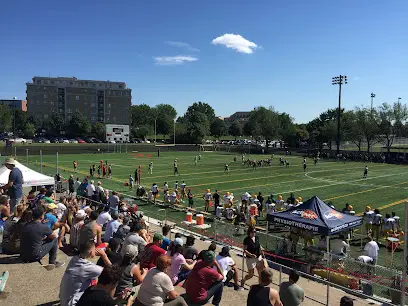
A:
(254, 255)
(183, 189)
(207, 198)
(15, 183)
(175, 166)
(190, 197)
(151, 168)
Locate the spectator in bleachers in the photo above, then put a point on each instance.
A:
(157, 288)
(166, 241)
(289, 292)
(80, 273)
(180, 268)
(132, 276)
(112, 251)
(91, 231)
(190, 251)
(346, 301)
(229, 268)
(112, 225)
(151, 252)
(102, 293)
(263, 294)
(12, 234)
(104, 217)
(76, 229)
(134, 238)
(204, 282)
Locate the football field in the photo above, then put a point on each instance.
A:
(385, 187)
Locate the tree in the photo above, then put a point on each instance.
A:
(142, 114)
(165, 115)
(21, 120)
(218, 127)
(141, 131)
(79, 126)
(6, 119)
(56, 124)
(367, 122)
(200, 107)
(197, 127)
(267, 122)
(98, 130)
(392, 119)
(29, 130)
(287, 130)
(235, 129)
(250, 128)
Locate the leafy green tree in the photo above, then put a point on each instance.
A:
(251, 128)
(6, 118)
(287, 130)
(79, 126)
(29, 130)
(392, 119)
(142, 114)
(21, 120)
(197, 127)
(141, 132)
(267, 122)
(56, 124)
(368, 122)
(98, 130)
(218, 127)
(200, 107)
(165, 116)
(235, 129)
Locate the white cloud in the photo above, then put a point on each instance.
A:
(237, 42)
(174, 60)
(181, 44)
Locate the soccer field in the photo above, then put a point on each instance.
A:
(385, 187)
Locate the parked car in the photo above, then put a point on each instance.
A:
(112, 141)
(80, 140)
(18, 140)
(97, 140)
(73, 141)
(65, 141)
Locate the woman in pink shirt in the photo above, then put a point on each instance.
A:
(179, 267)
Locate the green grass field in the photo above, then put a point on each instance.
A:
(385, 188)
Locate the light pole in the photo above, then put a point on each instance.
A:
(174, 132)
(372, 101)
(339, 80)
(14, 118)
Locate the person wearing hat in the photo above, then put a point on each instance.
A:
(180, 268)
(204, 282)
(228, 266)
(228, 202)
(151, 252)
(39, 196)
(51, 220)
(15, 183)
(76, 228)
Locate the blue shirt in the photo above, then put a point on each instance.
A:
(111, 228)
(50, 220)
(165, 243)
(16, 191)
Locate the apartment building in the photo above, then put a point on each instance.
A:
(99, 101)
(15, 104)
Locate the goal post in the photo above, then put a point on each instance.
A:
(206, 148)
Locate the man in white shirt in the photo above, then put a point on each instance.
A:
(104, 217)
(368, 219)
(113, 200)
(61, 208)
(339, 246)
(371, 249)
(228, 267)
(90, 190)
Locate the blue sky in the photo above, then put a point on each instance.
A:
(285, 56)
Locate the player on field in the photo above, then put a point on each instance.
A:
(175, 167)
(155, 191)
(304, 165)
(165, 188)
(199, 156)
(226, 168)
(75, 166)
(131, 181)
(190, 197)
(176, 187)
(365, 172)
(207, 198)
(195, 160)
(151, 168)
(183, 189)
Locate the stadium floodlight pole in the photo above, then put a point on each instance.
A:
(372, 101)
(155, 130)
(339, 80)
(174, 132)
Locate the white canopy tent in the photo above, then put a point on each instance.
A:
(31, 177)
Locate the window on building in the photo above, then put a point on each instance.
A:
(45, 116)
(120, 86)
(77, 98)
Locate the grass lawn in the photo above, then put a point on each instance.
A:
(385, 188)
